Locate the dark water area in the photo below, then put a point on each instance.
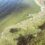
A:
(9, 6)
(8, 10)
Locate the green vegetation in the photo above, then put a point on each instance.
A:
(33, 33)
